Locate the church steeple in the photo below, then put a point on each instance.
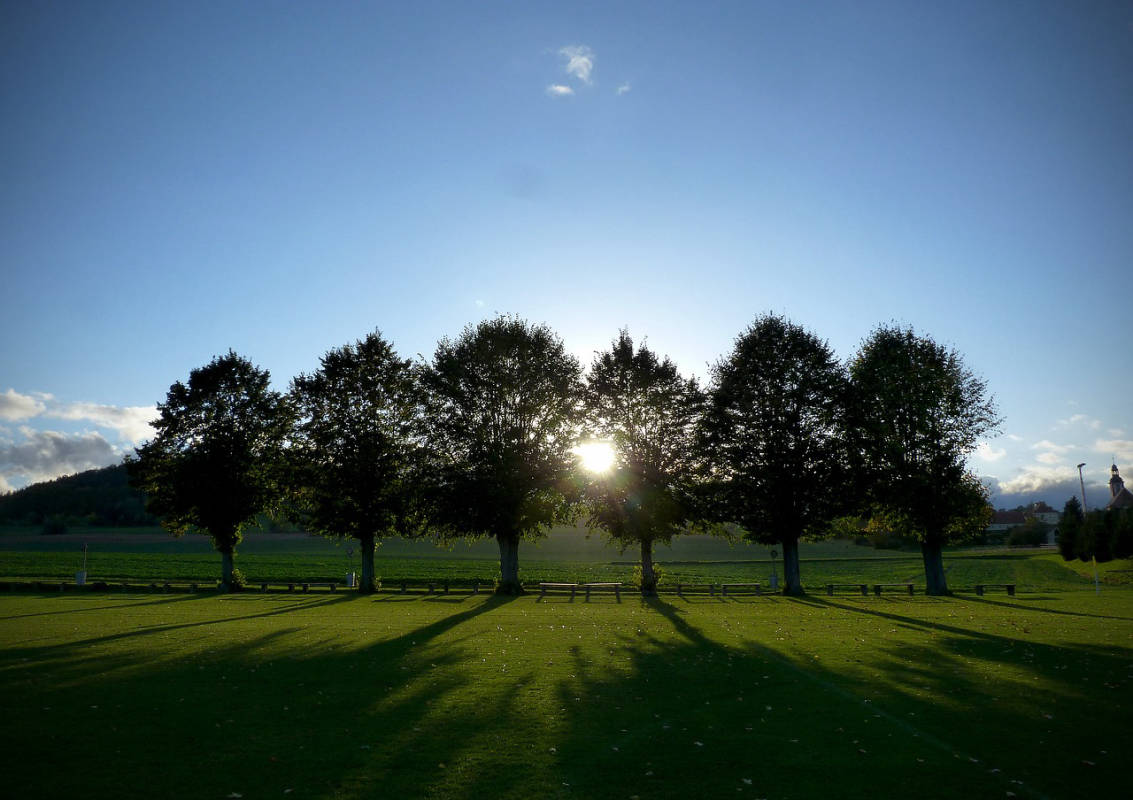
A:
(1115, 482)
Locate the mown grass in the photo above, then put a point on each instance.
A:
(338, 696)
(1030, 570)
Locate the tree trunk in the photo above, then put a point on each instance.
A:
(935, 582)
(509, 564)
(226, 567)
(648, 576)
(792, 583)
(366, 543)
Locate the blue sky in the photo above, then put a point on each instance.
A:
(177, 179)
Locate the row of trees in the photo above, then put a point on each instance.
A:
(483, 439)
(1102, 535)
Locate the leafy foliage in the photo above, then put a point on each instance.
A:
(649, 413)
(772, 433)
(503, 407)
(917, 412)
(355, 453)
(215, 461)
(1069, 527)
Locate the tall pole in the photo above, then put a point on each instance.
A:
(1093, 558)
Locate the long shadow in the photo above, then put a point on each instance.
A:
(159, 601)
(1021, 607)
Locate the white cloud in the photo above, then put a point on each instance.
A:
(1080, 419)
(1049, 458)
(1014, 437)
(44, 455)
(1050, 446)
(131, 423)
(558, 90)
(985, 452)
(15, 406)
(579, 61)
(1117, 432)
(625, 87)
(1120, 450)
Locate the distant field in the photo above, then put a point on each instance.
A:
(340, 696)
(148, 555)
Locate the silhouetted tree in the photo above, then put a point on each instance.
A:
(355, 453)
(772, 434)
(649, 413)
(917, 412)
(215, 461)
(504, 409)
(1069, 527)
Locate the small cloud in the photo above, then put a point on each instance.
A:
(479, 303)
(15, 406)
(1014, 437)
(558, 90)
(985, 452)
(579, 61)
(1117, 432)
(1048, 458)
(1080, 419)
(1046, 444)
(625, 87)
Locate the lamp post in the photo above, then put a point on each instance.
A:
(1082, 484)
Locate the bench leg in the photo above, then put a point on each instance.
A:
(910, 590)
(1011, 590)
(865, 590)
(877, 590)
(979, 589)
(829, 590)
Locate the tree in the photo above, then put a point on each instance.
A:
(1069, 528)
(772, 434)
(215, 461)
(355, 453)
(503, 403)
(917, 412)
(649, 414)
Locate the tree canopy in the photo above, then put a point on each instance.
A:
(355, 451)
(503, 407)
(917, 412)
(215, 461)
(649, 414)
(773, 437)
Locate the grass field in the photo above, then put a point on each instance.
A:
(340, 696)
(567, 555)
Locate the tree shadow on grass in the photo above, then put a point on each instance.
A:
(655, 699)
(1015, 605)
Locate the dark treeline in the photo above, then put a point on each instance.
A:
(484, 440)
(100, 497)
(1101, 534)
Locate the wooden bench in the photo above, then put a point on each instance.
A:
(861, 587)
(1010, 587)
(616, 588)
(753, 588)
(877, 587)
(696, 588)
(559, 587)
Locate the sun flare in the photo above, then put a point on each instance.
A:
(596, 456)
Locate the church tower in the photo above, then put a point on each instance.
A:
(1120, 496)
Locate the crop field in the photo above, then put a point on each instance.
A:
(567, 555)
(462, 696)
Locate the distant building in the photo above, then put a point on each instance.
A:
(1120, 497)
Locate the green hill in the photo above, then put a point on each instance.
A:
(101, 497)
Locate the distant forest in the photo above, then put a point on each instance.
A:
(101, 497)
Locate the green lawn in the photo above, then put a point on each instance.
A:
(207, 696)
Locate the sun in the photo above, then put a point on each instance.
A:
(596, 456)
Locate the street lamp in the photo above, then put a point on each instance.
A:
(1082, 483)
